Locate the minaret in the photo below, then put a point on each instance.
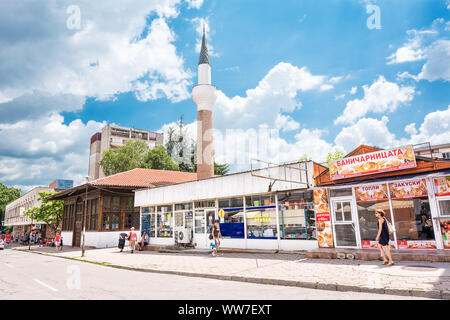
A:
(204, 95)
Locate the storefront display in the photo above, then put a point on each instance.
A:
(323, 219)
(164, 220)
(368, 200)
(374, 162)
(296, 215)
(445, 231)
(261, 223)
(232, 224)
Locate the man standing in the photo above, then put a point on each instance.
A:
(132, 237)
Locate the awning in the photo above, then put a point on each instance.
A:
(387, 180)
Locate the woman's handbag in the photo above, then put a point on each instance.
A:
(390, 228)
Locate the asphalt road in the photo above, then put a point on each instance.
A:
(32, 276)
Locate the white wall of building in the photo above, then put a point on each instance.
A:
(232, 185)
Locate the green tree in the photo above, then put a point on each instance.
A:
(7, 195)
(130, 156)
(50, 211)
(221, 169)
(158, 158)
(338, 154)
(305, 157)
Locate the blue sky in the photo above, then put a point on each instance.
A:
(312, 71)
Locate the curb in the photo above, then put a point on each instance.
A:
(435, 294)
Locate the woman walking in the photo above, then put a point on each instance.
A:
(383, 237)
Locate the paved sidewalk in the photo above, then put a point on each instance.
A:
(423, 279)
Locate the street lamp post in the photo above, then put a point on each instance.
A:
(84, 218)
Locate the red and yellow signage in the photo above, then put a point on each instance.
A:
(371, 193)
(412, 244)
(374, 162)
(442, 186)
(323, 220)
(408, 189)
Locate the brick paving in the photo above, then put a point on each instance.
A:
(404, 278)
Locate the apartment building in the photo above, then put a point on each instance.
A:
(441, 151)
(113, 136)
(14, 211)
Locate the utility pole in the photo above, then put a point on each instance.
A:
(84, 219)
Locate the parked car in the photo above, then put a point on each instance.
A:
(2, 244)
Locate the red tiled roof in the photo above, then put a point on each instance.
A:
(145, 178)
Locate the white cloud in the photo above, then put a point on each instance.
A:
(276, 93)
(194, 4)
(339, 97)
(411, 129)
(438, 62)
(353, 90)
(428, 45)
(366, 131)
(39, 151)
(113, 49)
(434, 129)
(286, 123)
(382, 96)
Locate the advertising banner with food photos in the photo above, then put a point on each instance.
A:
(374, 162)
(442, 186)
(408, 189)
(323, 220)
(371, 193)
(374, 244)
(445, 232)
(411, 244)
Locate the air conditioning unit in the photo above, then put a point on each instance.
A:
(183, 235)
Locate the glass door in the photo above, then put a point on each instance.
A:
(346, 233)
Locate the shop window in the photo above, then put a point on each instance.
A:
(444, 207)
(93, 224)
(261, 223)
(106, 203)
(115, 222)
(129, 206)
(132, 220)
(183, 206)
(205, 204)
(199, 223)
(164, 221)
(231, 203)
(232, 224)
(179, 219)
(260, 200)
(413, 219)
(296, 216)
(368, 222)
(106, 222)
(188, 219)
(340, 192)
(116, 203)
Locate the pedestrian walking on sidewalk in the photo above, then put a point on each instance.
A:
(383, 237)
(122, 238)
(57, 241)
(132, 237)
(216, 235)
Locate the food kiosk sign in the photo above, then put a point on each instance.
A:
(374, 162)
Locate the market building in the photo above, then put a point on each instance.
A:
(266, 208)
(413, 190)
(21, 223)
(105, 206)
